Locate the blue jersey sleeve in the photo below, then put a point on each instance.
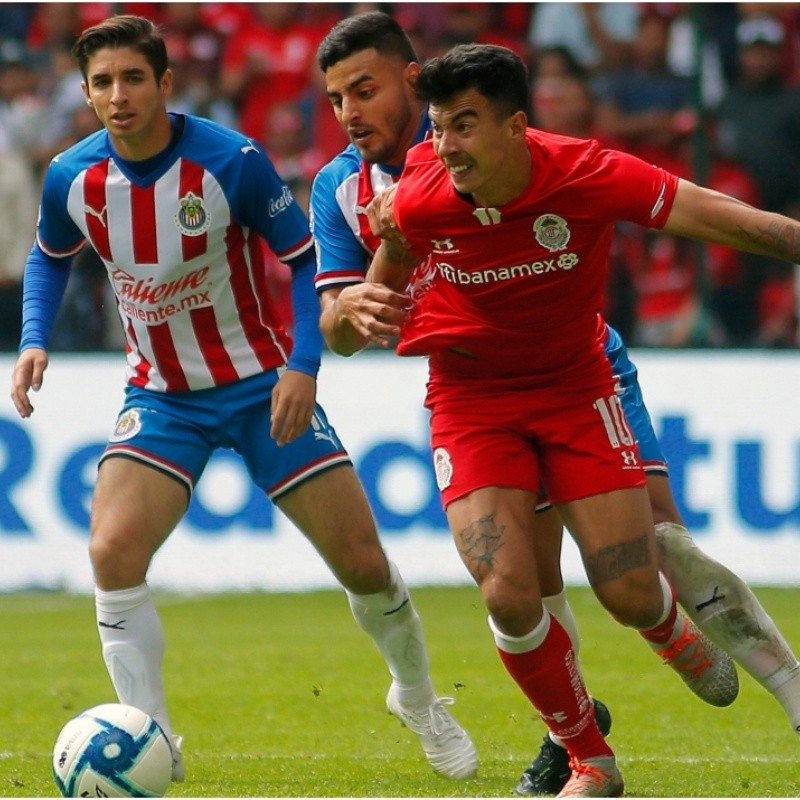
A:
(264, 203)
(56, 233)
(305, 355)
(43, 288)
(339, 252)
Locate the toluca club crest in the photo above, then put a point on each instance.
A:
(551, 232)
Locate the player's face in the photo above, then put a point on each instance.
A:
(121, 87)
(485, 154)
(373, 99)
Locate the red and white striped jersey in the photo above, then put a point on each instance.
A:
(181, 246)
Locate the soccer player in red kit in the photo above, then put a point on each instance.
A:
(517, 225)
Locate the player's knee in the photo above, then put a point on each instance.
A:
(515, 611)
(366, 571)
(117, 564)
(635, 600)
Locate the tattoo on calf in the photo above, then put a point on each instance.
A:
(613, 562)
(478, 543)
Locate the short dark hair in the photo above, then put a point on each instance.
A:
(372, 29)
(496, 72)
(123, 30)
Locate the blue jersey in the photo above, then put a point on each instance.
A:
(182, 238)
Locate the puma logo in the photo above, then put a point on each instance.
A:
(715, 598)
(114, 626)
(101, 214)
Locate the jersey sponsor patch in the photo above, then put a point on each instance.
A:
(128, 425)
(443, 467)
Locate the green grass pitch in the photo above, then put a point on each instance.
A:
(281, 695)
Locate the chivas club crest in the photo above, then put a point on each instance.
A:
(128, 425)
(192, 218)
(551, 232)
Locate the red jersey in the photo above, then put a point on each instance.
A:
(520, 287)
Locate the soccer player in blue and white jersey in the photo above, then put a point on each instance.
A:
(370, 67)
(176, 207)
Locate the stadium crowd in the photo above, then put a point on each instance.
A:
(722, 109)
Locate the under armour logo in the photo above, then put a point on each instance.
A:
(629, 457)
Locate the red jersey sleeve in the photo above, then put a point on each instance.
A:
(619, 186)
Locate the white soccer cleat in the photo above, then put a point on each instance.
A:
(178, 772)
(447, 745)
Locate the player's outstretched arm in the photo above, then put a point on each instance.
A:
(711, 216)
(28, 375)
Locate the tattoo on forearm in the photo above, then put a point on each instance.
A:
(780, 239)
(479, 542)
(613, 562)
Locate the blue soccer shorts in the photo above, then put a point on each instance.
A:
(178, 432)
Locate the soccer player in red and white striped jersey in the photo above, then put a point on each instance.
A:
(176, 207)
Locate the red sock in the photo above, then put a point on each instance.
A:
(549, 677)
(662, 633)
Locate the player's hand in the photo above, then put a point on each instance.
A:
(374, 311)
(380, 214)
(28, 375)
(293, 401)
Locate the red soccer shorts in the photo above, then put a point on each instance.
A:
(575, 442)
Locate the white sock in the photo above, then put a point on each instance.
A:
(559, 607)
(133, 649)
(521, 644)
(727, 611)
(390, 618)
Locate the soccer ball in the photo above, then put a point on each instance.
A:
(112, 750)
